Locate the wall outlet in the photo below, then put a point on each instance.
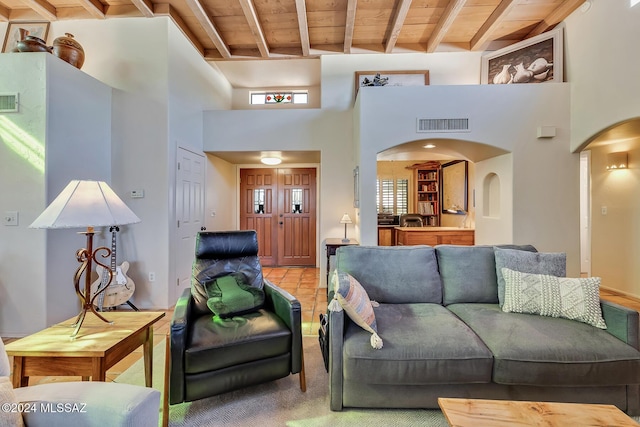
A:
(152, 276)
(603, 210)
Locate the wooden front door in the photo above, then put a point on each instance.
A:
(280, 204)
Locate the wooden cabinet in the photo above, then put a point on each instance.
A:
(386, 236)
(434, 236)
(427, 200)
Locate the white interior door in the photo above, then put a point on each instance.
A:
(189, 212)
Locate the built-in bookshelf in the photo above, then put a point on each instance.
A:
(427, 201)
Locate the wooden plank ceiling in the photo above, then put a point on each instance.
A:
(269, 29)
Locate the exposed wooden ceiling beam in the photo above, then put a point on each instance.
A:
(496, 18)
(94, 7)
(565, 9)
(165, 9)
(207, 25)
(301, 10)
(254, 24)
(144, 6)
(350, 25)
(4, 14)
(43, 8)
(398, 21)
(446, 21)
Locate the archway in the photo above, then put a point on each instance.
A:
(394, 162)
(610, 208)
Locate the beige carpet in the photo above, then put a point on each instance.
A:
(279, 403)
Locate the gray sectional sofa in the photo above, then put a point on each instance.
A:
(445, 335)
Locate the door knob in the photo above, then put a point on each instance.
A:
(281, 223)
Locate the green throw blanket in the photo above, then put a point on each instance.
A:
(228, 297)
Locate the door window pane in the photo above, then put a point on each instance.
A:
(296, 200)
(258, 200)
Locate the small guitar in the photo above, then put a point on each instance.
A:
(121, 288)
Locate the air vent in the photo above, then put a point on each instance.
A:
(442, 125)
(8, 102)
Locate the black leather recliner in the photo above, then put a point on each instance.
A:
(210, 355)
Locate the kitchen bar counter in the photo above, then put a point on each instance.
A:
(434, 236)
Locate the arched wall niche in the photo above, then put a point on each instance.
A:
(491, 196)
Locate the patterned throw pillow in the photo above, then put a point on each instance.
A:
(353, 298)
(574, 299)
(552, 263)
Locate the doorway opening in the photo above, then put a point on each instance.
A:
(280, 204)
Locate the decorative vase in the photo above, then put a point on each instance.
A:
(32, 44)
(69, 50)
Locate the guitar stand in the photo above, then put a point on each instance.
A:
(132, 306)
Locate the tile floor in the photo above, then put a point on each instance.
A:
(301, 282)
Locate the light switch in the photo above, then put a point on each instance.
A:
(11, 218)
(603, 210)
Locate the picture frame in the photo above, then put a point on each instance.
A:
(391, 78)
(455, 190)
(12, 36)
(535, 60)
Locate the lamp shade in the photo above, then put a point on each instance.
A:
(85, 204)
(346, 219)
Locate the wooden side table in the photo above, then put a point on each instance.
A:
(97, 347)
(332, 245)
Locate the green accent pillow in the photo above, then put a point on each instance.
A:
(574, 299)
(229, 296)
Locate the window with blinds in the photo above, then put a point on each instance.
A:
(392, 196)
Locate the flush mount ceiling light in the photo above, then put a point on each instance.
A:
(430, 146)
(271, 161)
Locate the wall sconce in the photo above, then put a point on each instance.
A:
(617, 161)
(346, 219)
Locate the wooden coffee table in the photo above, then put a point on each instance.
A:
(508, 413)
(97, 347)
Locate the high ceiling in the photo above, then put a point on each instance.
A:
(223, 30)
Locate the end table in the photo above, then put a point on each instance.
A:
(332, 245)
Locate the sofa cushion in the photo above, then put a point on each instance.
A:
(547, 351)
(468, 273)
(423, 344)
(554, 264)
(351, 296)
(393, 274)
(575, 299)
(216, 343)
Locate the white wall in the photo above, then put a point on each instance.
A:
(22, 188)
(545, 172)
(66, 114)
(602, 67)
(329, 132)
(615, 239)
(221, 212)
(161, 86)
